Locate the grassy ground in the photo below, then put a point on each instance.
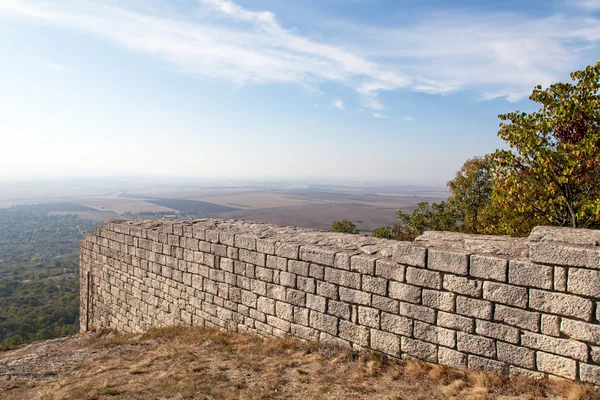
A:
(200, 363)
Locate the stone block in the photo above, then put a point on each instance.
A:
(316, 271)
(424, 278)
(298, 267)
(266, 246)
(355, 296)
(243, 241)
(556, 365)
(284, 311)
(418, 349)
(451, 358)
(489, 268)
(485, 364)
(439, 300)
(305, 284)
(390, 270)
(581, 330)
(550, 325)
(589, 373)
(559, 254)
(505, 294)
(265, 305)
(278, 263)
(317, 255)
(374, 285)
(396, 324)
(448, 261)
(385, 342)
(434, 334)
(497, 331)
(564, 347)
(385, 304)
(368, 317)
(295, 297)
(476, 345)
(560, 279)
(516, 355)
(481, 309)
(316, 303)
(287, 250)
(342, 278)
(363, 263)
(323, 322)
(525, 273)
(327, 290)
(354, 333)
(462, 285)
(404, 292)
(287, 279)
(342, 260)
(409, 254)
(338, 309)
(252, 257)
(456, 322)
(520, 318)
(584, 281)
(561, 304)
(331, 340)
(417, 312)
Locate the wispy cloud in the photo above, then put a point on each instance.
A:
(593, 5)
(338, 103)
(54, 66)
(494, 55)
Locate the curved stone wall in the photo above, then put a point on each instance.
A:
(487, 302)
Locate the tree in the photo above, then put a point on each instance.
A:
(551, 173)
(384, 232)
(344, 226)
(437, 216)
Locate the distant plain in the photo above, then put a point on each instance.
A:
(312, 205)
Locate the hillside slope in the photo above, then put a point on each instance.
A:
(202, 363)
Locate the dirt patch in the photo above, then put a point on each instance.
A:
(201, 363)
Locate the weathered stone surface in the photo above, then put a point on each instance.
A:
(476, 345)
(404, 292)
(485, 364)
(516, 355)
(505, 294)
(409, 254)
(463, 285)
(390, 270)
(421, 350)
(589, 373)
(520, 318)
(396, 324)
(565, 347)
(348, 290)
(451, 357)
(385, 342)
(497, 331)
(556, 365)
(584, 281)
(581, 330)
(525, 273)
(434, 334)
(488, 268)
(559, 303)
(481, 309)
(456, 322)
(424, 278)
(439, 300)
(447, 261)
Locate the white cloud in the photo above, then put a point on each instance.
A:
(494, 55)
(54, 66)
(338, 103)
(593, 5)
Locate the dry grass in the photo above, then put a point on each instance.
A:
(200, 363)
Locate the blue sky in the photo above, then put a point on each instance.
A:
(402, 90)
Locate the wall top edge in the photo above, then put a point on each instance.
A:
(488, 245)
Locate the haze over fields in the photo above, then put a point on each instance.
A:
(312, 205)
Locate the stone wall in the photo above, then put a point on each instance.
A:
(495, 303)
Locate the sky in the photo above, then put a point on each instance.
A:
(382, 90)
